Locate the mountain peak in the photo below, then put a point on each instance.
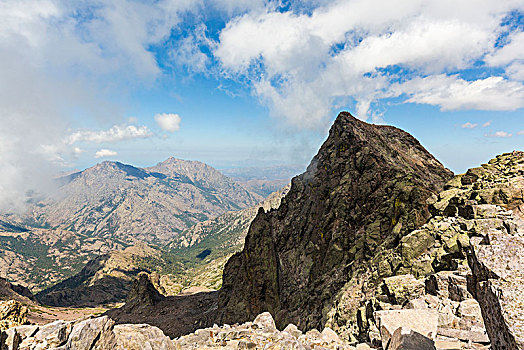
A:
(366, 188)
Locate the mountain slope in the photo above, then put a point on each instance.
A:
(366, 188)
(119, 201)
(109, 207)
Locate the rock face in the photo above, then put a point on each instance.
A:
(12, 313)
(99, 333)
(366, 188)
(497, 257)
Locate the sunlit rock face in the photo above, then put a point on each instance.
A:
(367, 187)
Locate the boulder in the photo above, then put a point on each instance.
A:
(401, 289)
(265, 321)
(88, 331)
(134, 337)
(12, 313)
(424, 322)
(407, 339)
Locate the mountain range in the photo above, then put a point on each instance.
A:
(109, 207)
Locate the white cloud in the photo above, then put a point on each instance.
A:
(500, 134)
(105, 153)
(114, 134)
(486, 124)
(61, 59)
(521, 132)
(302, 65)
(454, 93)
(469, 125)
(168, 121)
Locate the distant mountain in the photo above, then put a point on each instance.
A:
(108, 207)
(119, 201)
(264, 180)
(195, 259)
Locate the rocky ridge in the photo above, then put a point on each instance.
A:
(365, 189)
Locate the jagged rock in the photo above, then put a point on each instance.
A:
(10, 339)
(265, 321)
(424, 322)
(402, 288)
(143, 293)
(407, 339)
(53, 335)
(498, 284)
(12, 313)
(307, 261)
(88, 331)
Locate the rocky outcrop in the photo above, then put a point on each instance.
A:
(12, 291)
(12, 313)
(497, 281)
(363, 192)
(106, 279)
(175, 315)
(99, 333)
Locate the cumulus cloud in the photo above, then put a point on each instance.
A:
(521, 132)
(486, 124)
(469, 125)
(168, 121)
(104, 153)
(500, 134)
(114, 134)
(304, 64)
(454, 93)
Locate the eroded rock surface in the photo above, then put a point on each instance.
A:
(366, 188)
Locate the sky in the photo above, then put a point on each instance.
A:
(250, 82)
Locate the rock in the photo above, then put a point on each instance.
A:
(470, 310)
(407, 339)
(265, 321)
(53, 334)
(143, 293)
(448, 344)
(475, 334)
(366, 187)
(134, 337)
(293, 330)
(424, 322)
(497, 264)
(261, 334)
(402, 288)
(10, 340)
(12, 313)
(88, 331)
(330, 336)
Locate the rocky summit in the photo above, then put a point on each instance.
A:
(367, 187)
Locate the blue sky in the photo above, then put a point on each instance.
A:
(236, 83)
